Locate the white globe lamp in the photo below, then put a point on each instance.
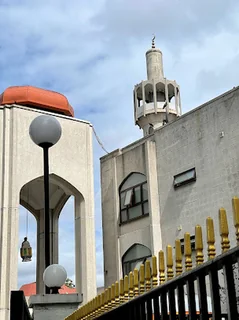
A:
(54, 277)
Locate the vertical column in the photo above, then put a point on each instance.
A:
(143, 96)
(155, 96)
(9, 202)
(153, 196)
(176, 100)
(85, 231)
(167, 100)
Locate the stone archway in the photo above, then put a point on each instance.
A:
(32, 198)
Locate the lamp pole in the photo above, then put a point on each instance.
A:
(45, 131)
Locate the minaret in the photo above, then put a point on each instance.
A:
(156, 100)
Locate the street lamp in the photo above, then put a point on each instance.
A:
(45, 131)
(54, 277)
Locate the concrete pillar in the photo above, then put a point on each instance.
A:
(85, 263)
(9, 216)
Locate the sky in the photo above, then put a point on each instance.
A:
(93, 51)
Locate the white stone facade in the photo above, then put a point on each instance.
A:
(206, 139)
(71, 173)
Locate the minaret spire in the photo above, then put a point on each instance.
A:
(153, 42)
(156, 100)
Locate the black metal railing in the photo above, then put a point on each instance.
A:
(167, 301)
(18, 306)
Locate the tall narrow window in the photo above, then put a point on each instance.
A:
(133, 198)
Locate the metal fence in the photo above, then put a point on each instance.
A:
(177, 288)
(169, 300)
(18, 306)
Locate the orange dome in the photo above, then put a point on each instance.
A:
(37, 98)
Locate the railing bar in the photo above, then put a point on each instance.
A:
(215, 294)
(230, 289)
(191, 300)
(172, 307)
(142, 311)
(156, 308)
(149, 309)
(202, 295)
(181, 303)
(163, 305)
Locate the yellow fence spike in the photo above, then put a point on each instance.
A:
(102, 302)
(126, 288)
(169, 255)
(161, 267)
(199, 245)
(154, 272)
(113, 295)
(224, 231)
(106, 299)
(141, 279)
(187, 251)
(131, 285)
(235, 205)
(109, 298)
(211, 249)
(121, 291)
(147, 275)
(178, 257)
(136, 282)
(117, 299)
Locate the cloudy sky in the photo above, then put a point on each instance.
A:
(94, 52)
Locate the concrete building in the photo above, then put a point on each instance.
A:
(21, 182)
(183, 170)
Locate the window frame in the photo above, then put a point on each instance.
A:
(186, 181)
(143, 259)
(140, 203)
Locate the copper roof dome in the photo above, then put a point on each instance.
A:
(37, 98)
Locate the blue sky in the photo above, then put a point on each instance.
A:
(94, 53)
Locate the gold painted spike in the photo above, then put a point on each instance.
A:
(126, 288)
(154, 272)
(121, 291)
(109, 298)
(102, 303)
(161, 267)
(169, 254)
(117, 299)
(113, 295)
(187, 251)
(235, 205)
(199, 245)
(178, 257)
(136, 282)
(141, 279)
(106, 299)
(131, 285)
(211, 249)
(147, 275)
(224, 231)
(98, 306)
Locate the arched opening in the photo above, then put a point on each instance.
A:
(64, 220)
(134, 257)
(160, 94)
(149, 93)
(133, 197)
(171, 96)
(139, 96)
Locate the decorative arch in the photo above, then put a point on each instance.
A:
(133, 193)
(139, 95)
(149, 93)
(136, 255)
(160, 91)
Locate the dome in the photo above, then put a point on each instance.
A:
(37, 98)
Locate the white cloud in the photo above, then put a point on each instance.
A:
(94, 52)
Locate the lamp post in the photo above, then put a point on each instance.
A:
(45, 131)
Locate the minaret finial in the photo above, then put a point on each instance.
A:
(153, 43)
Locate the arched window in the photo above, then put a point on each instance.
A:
(133, 197)
(134, 257)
